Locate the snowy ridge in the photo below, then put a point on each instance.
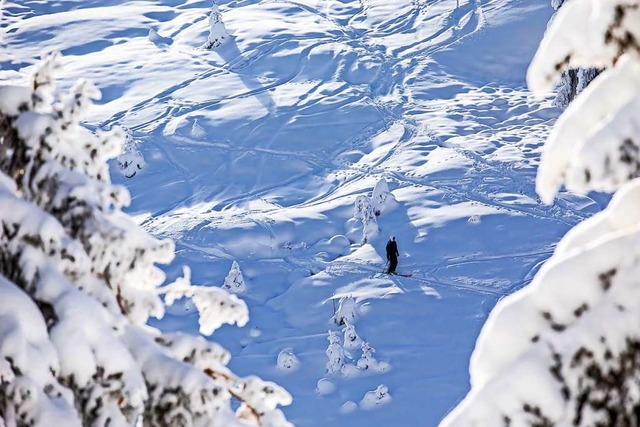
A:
(256, 152)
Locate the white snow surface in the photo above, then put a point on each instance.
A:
(257, 150)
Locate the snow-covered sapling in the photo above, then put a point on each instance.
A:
(335, 353)
(217, 31)
(374, 398)
(364, 212)
(346, 312)
(368, 361)
(234, 282)
(381, 198)
(130, 160)
(351, 338)
(287, 360)
(474, 219)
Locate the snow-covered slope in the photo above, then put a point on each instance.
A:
(256, 152)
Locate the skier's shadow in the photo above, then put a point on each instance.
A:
(232, 55)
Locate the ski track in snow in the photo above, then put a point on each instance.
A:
(257, 151)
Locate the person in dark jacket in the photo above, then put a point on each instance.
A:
(392, 255)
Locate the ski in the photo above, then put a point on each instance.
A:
(376, 275)
(400, 274)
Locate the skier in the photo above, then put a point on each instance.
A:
(392, 255)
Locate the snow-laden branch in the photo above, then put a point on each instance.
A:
(29, 364)
(585, 33)
(78, 280)
(215, 305)
(602, 34)
(594, 143)
(579, 315)
(565, 350)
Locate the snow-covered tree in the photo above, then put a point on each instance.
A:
(367, 358)
(565, 350)
(335, 353)
(368, 361)
(287, 360)
(381, 198)
(351, 338)
(234, 282)
(130, 160)
(346, 312)
(378, 397)
(573, 80)
(217, 31)
(363, 211)
(79, 280)
(366, 209)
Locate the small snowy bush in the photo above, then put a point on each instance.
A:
(368, 362)
(351, 338)
(366, 209)
(381, 198)
(474, 219)
(346, 312)
(363, 211)
(217, 32)
(287, 360)
(130, 160)
(566, 349)
(367, 359)
(378, 397)
(335, 353)
(234, 282)
(79, 280)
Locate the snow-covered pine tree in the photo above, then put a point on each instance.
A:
(351, 339)
(347, 312)
(234, 282)
(573, 80)
(217, 31)
(565, 350)
(363, 211)
(381, 198)
(335, 354)
(78, 282)
(367, 359)
(130, 159)
(287, 360)
(378, 397)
